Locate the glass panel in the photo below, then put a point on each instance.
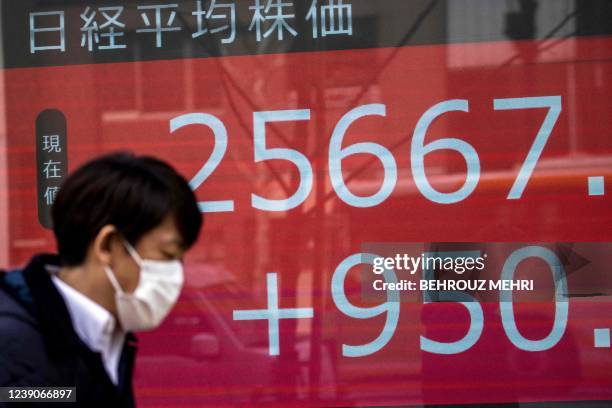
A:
(309, 129)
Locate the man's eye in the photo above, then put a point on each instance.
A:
(167, 255)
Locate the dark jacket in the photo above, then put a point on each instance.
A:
(39, 347)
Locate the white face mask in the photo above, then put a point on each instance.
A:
(158, 289)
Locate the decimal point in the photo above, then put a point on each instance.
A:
(596, 186)
(602, 338)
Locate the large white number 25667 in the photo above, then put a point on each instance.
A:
(418, 150)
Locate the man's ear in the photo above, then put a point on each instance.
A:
(101, 246)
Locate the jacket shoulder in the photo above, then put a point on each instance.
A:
(22, 349)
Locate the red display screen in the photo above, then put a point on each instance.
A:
(429, 124)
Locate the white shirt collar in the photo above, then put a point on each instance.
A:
(94, 325)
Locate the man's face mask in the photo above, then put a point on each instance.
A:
(158, 289)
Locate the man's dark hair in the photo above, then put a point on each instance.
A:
(133, 193)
